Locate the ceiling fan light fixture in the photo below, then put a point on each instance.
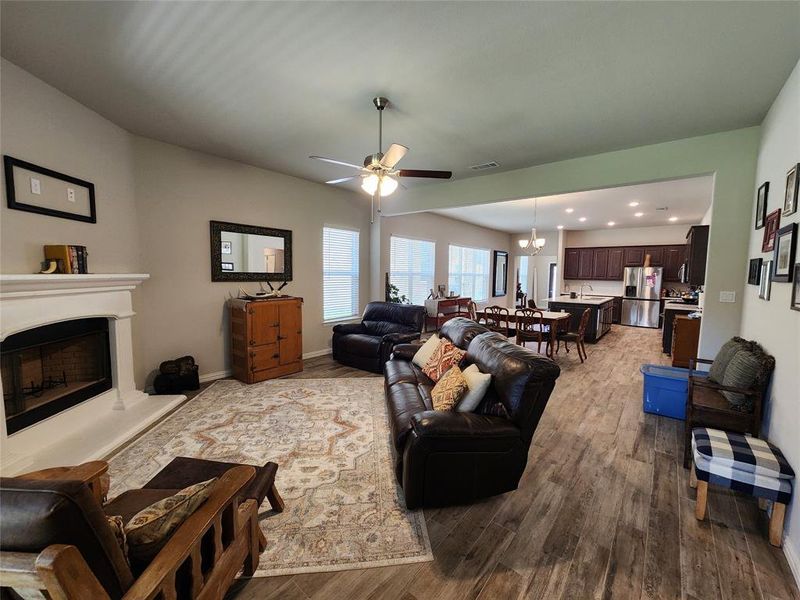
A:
(371, 182)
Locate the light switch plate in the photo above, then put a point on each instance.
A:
(36, 186)
(727, 296)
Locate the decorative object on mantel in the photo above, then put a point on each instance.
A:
(43, 191)
(263, 294)
(177, 375)
(771, 225)
(754, 271)
(69, 259)
(792, 186)
(257, 253)
(795, 305)
(534, 245)
(761, 204)
(784, 253)
(765, 285)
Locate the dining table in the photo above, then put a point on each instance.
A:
(556, 321)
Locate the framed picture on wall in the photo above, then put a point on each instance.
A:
(792, 186)
(754, 272)
(771, 224)
(761, 204)
(796, 288)
(784, 253)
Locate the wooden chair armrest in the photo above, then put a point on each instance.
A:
(704, 382)
(187, 538)
(85, 472)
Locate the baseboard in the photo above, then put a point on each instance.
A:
(316, 353)
(214, 376)
(793, 559)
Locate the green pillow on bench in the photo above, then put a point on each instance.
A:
(729, 349)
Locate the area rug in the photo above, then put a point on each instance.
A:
(330, 438)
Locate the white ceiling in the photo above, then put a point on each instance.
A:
(522, 83)
(686, 199)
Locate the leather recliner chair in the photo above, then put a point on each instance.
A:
(369, 344)
(450, 457)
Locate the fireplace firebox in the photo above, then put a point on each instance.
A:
(51, 368)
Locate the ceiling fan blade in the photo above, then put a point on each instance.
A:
(342, 180)
(425, 173)
(336, 162)
(393, 155)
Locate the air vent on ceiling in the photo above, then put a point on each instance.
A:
(662, 208)
(484, 166)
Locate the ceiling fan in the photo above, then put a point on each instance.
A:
(378, 173)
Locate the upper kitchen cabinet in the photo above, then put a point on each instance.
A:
(616, 263)
(656, 255)
(585, 263)
(674, 258)
(608, 263)
(696, 252)
(634, 256)
(600, 263)
(571, 262)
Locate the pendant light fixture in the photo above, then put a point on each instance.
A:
(534, 245)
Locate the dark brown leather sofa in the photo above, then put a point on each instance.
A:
(445, 458)
(369, 344)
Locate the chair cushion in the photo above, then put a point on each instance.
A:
(477, 385)
(444, 356)
(397, 371)
(404, 400)
(717, 370)
(361, 344)
(450, 388)
(426, 350)
(127, 504)
(749, 368)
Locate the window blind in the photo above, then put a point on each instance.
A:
(339, 273)
(469, 272)
(412, 267)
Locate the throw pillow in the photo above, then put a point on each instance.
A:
(742, 372)
(717, 371)
(449, 389)
(150, 528)
(477, 384)
(424, 353)
(444, 356)
(117, 525)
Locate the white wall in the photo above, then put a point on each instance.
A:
(445, 231)
(772, 323)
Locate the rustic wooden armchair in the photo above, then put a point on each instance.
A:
(56, 539)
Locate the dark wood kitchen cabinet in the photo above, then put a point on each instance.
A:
(696, 253)
(656, 255)
(616, 264)
(609, 262)
(673, 261)
(600, 263)
(634, 256)
(571, 262)
(585, 263)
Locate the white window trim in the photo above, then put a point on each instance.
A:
(354, 318)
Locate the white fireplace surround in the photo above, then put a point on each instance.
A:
(93, 428)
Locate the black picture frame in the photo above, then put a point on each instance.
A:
(795, 305)
(754, 271)
(792, 187)
(499, 267)
(761, 204)
(218, 274)
(9, 162)
(784, 253)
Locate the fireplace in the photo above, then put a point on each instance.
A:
(48, 369)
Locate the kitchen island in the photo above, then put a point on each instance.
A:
(602, 308)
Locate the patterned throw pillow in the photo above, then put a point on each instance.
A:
(150, 528)
(749, 369)
(445, 356)
(424, 353)
(117, 525)
(449, 389)
(717, 370)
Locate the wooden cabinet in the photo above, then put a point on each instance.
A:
(656, 255)
(616, 264)
(266, 338)
(685, 336)
(600, 263)
(673, 261)
(585, 263)
(616, 315)
(696, 253)
(571, 262)
(634, 256)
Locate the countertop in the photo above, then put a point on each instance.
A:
(678, 305)
(586, 300)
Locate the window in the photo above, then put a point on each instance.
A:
(522, 274)
(469, 272)
(411, 268)
(339, 273)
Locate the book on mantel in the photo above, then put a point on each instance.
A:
(69, 258)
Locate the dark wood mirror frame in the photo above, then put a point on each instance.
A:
(503, 290)
(217, 274)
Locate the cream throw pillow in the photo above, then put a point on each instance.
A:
(477, 384)
(426, 351)
(450, 388)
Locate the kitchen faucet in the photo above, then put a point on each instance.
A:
(585, 285)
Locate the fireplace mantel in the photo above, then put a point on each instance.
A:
(95, 427)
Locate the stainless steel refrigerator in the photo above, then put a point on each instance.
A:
(641, 295)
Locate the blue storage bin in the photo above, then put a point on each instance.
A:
(665, 389)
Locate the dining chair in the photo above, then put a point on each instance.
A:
(497, 319)
(575, 336)
(530, 328)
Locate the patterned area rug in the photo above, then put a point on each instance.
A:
(331, 440)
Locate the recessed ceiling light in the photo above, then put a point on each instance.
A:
(639, 214)
(634, 203)
(611, 223)
(560, 227)
(582, 219)
(673, 218)
(569, 210)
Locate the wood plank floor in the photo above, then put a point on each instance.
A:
(603, 511)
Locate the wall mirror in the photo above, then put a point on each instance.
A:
(250, 253)
(500, 273)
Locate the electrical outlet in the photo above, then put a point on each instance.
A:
(36, 186)
(727, 296)
(70, 195)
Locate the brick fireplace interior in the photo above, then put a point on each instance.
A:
(49, 369)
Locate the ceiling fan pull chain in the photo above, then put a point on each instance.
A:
(372, 209)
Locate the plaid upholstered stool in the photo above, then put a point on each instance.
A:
(745, 464)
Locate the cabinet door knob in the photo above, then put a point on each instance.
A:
(276, 355)
(252, 342)
(282, 337)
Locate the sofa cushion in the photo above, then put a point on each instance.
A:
(717, 370)
(444, 356)
(425, 352)
(461, 331)
(361, 344)
(404, 400)
(397, 371)
(477, 384)
(449, 390)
